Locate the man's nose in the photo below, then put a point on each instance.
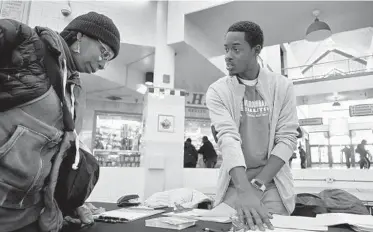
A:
(228, 56)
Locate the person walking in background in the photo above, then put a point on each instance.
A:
(294, 156)
(190, 154)
(348, 154)
(303, 157)
(364, 161)
(208, 151)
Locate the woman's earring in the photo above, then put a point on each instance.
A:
(76, 48)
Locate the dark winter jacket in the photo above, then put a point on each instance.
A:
(190, 154)
(208, 151)
(32, 126)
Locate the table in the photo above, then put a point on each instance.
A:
(139, 225)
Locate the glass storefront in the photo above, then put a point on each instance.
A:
(319, 147)
(117, 139)
(320, 143)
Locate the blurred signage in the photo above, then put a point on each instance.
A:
(310, 122)
(195, 99)
(17, 10)
(361, 110)
(195, 112)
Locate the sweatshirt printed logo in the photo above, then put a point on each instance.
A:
(257, 108)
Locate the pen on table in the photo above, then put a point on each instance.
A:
(211, 230)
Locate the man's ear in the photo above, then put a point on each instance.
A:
(257, 49)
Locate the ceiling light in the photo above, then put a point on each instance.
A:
(141, 88)
(318, 30)
(336, 103)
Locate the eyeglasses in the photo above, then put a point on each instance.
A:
(105, 53)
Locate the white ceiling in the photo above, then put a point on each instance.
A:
(112, 82)
(136, 56)
(282, 22)
(193, 72)
(307, 52)
(98, 88)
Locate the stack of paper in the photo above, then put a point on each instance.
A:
(357, 222)
(220, 214)
(128, 214)
(297, 223)
(223, 212)
(170, 223)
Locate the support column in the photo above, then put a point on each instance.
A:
(163, 118)
(164, 61)
(370, 58)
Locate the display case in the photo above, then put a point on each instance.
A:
(117, 137)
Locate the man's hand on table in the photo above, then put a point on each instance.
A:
(251, 210)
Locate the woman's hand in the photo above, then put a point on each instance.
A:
(85, 215)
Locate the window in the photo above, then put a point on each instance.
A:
(117, 139)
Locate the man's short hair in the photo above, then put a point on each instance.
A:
(189, 140)
(253, 32)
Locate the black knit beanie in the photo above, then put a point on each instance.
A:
(97, 26)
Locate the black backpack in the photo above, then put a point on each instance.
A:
(73, 186)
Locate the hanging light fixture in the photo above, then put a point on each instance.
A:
(318, 30)
(336, 104)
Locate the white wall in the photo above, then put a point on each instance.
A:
(134, 19)
(201, 42)
(116, 182)
(176, 16)
(272, 57)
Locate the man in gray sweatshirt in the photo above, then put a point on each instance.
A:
(254, 113)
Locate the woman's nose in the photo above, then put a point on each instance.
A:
(102, 64)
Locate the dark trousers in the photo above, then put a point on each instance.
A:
(348, 161)
(303, 163)
(364, 162)
(210, 163)
(190, 165)
(33, 227)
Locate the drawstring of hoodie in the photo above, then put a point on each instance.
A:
(72, 110)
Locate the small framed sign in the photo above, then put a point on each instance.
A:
(166, 123)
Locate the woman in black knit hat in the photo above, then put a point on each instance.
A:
(41, 112)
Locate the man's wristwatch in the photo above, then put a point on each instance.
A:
(258, 184)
